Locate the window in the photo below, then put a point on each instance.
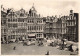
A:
(8, 20)
(13, 31)
(31, 27)
(9, 25)
(4, 15)
(28, 27)
(34, 27)
(41, 21)
(20, 20)
(69, 23)
(21, 14)
(32, 21)
(14, 25)
(71, 17)
(13, 20)
(8, 36)
(37, 27)
(41, 27)
(28, 21)
(37, 21)
(25, 24)
(16, 20)
(39, 35)
(4, 22)
(4, 30)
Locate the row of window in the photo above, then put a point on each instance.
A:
(71, 30)
(12, 25)
(15, 20)
(16, 25)
(71, 23)
(17, 30)
(39, 35)
(39, 21)
(21, 30)
(11, 37)
(22, 24)
(34, 27)
(14, 36)
(3, 30)
(12, 20)
(3, 22)
(30, 21)
(22, 20)
(71, 18)
(3, 15)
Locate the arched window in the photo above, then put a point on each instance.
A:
(21, 14)
(8, 20)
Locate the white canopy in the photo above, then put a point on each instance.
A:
(31, 34)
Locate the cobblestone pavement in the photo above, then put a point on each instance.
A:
(7, 49)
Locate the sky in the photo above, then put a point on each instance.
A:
(44, 7)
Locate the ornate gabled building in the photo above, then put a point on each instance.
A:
(3, 24)
(35, 24)
(63, 27)
(53, 27)
(22, 25)
(72, 26)
(11, 24)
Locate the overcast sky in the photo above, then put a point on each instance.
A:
(43, 7)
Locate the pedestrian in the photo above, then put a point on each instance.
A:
(14, 48)
(74, 48)
(47, 53)
(62, 44)
(70, 48)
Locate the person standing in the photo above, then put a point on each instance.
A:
(62, 44)
(70, 48)
(14, 48)
(47, 53)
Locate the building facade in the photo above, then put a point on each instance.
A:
(72, 26)
(3, 25)
(53, 27)
(21, 25)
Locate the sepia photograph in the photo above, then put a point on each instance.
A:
(39, 27)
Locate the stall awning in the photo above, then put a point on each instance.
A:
(30, 35)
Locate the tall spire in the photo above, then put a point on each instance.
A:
(1, 6)
(32, 11)
(33, 8)
(33, 5)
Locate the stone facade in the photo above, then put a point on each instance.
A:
(21, 25)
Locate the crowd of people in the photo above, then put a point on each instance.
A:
(58, 43)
